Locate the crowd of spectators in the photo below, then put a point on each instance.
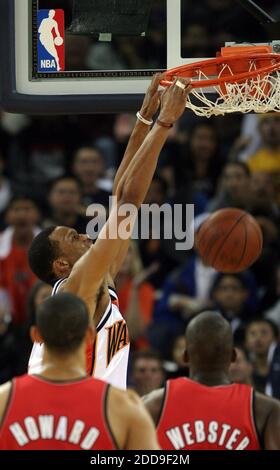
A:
(52, 168)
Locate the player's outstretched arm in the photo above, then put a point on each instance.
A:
(148, 109)
(89, 272)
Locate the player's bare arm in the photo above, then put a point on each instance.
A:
(88, 273)
(153, 403)
(130, 423)
(148, 110)
(267, 414)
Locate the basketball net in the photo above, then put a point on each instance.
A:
(240, 79)
(244, 97)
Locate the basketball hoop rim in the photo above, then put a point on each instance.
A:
(185, 71)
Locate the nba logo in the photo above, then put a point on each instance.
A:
(50, 40)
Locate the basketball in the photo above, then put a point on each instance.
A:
(58, 41)
(230, 240)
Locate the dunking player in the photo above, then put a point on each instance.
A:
(207, 412)
(52, 410)
(67, 260)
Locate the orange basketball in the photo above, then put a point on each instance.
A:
(229, 240)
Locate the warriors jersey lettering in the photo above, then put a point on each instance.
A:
(197, 417)
(107, 358)
(61, 418)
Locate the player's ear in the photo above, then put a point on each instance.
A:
(35, 335)
(234, 355)
(61, 267)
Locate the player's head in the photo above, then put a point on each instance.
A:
(209, 344)
(54, 251)
(62, 324)
(51, 13)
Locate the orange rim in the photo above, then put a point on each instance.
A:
(192, 70)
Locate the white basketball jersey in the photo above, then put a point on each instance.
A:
(107, 358)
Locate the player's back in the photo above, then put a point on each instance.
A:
(45, 415)
(199, 417)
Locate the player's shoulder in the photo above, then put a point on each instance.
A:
(126, 401)
(266, 404)
(264, 408)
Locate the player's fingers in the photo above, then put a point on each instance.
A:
(156, 81)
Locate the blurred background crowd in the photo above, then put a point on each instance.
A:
(52, 168)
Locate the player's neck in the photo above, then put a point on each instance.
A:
(210, 379)
(64, 367)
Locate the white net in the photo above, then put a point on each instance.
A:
(260, 94)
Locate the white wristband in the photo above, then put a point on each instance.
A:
(145, 121)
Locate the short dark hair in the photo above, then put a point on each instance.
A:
(64, 178)
(20, 198)
(62, 321)
(42, 253)
(270, 323)
(240, 277)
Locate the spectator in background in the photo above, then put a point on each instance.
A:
(201, 161)
(273, 298)
(16, 277)
(146, 372)
(136, 296)
(88, 168)
(176, 367)
(185, 292)
(263, 194)
(241, 369)
(153, 250)
(267, 158)
(39, 292)
(234, 190)
(273, 382)
(5, 191)
(9, 348)
(65, 205)
(235, 297)
(260, 338)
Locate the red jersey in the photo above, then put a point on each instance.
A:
(197, 417)
(45, 415)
